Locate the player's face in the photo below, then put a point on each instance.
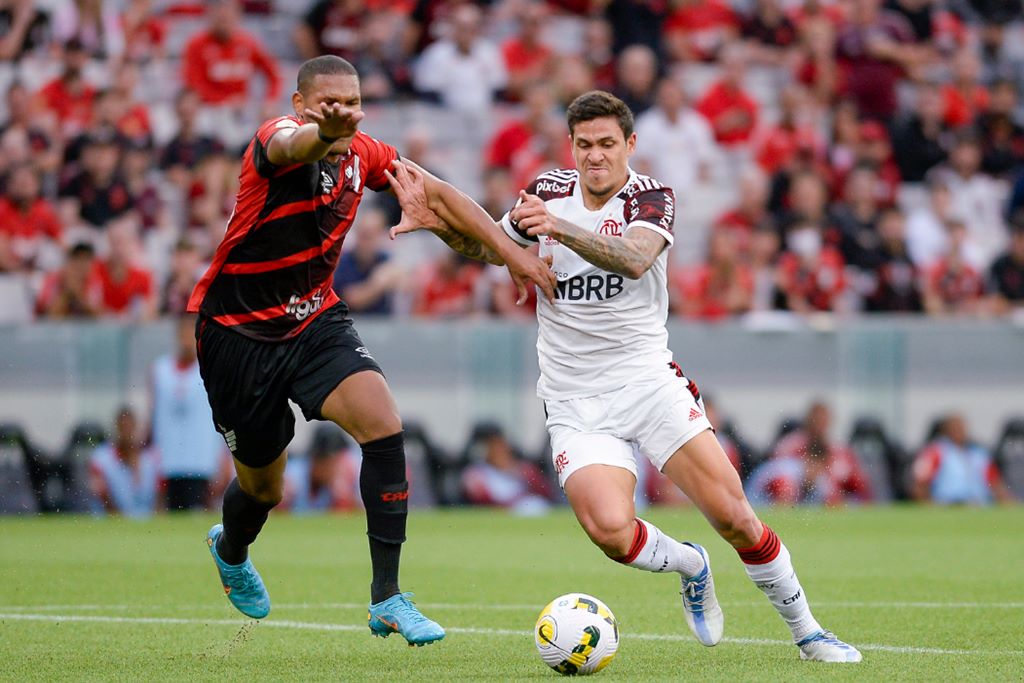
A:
(602, 153)
(340, 89)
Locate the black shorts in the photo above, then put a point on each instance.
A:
(249, 382)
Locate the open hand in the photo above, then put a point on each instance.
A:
(335, 120)
(526, 269)
(408, 186)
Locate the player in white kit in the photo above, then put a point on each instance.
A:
(608, 380)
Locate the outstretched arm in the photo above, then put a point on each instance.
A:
(305, 144)
(630, 255)
(458, 213)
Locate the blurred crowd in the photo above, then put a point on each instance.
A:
(827, 155)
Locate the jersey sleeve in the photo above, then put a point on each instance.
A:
(652, 209)
(511, 228)
(262, 140)
(375, 157)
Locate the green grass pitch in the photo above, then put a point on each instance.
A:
(929, 594)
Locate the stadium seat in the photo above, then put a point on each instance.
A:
(881, 458)
(1009, 455)
(75, 461)
(16, 491)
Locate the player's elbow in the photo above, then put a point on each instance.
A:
(635, 270)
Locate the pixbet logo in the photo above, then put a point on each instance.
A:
(302, 309)
(549, 186)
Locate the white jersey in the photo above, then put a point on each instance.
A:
(604, 330)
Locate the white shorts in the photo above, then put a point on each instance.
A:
(654, 416)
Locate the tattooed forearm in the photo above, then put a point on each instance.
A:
(467, 246)
(629, 257)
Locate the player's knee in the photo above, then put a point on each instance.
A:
(611, 532)
(739, 525)
(381, 426)
(269, 493)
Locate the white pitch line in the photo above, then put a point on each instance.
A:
(898, 649)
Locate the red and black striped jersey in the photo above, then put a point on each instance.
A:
(272, 273)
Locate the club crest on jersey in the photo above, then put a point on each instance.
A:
(302, 309)
(610, 227)
(326, 182)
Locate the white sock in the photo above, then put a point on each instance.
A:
(655, 551)
(777, 579)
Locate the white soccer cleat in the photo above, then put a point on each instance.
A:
(703, 613)
(823, 646)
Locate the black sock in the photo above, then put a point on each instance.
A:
(385, 494)
(243, 518)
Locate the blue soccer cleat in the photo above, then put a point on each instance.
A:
(242, 583)
(398, 614)
(703, 613)
(823, 646)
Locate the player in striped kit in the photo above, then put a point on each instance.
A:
(608, 380)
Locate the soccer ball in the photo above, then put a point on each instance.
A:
(576, 634)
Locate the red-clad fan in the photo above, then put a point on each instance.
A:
(527, 59)
(810, 274)
(126, 287)
(448, 287)
(69, 97)
(27, 220)
(965, 98)
(220, 62)
(698, 29)
(726, 105)
(271, 329)
(952, 284)
(721, 287)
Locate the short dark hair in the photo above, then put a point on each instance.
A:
(597, 104)
(324, 65)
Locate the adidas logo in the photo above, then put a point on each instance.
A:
(695, 414)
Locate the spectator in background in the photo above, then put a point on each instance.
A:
(751, 213)
(25, 136)
(527, 59)
(516, 134)
(72, 291)
(927, 236)
(964, 99)
(197, 165)
(810, 273)
(697, 30)
(383, 65)
(572, 77)
(126, 287)
(815, 63)
(465, 71)
(219, 64)
(186, 268)
(808, 467)
(951, 470)
(447, 288)
(636, 71)
(769, 33)
(636, 22)
(366, 280)
(549, 149)
(976, 197)
(1006, 276)
(143, 182)
(94, 23)
(875, 151)
(24, 28)
(952, 285)
(674, 142)
(69, 97)
(105, 114)
(775, 146)
(722, 286)
(97, 193)
(124, 476)
(597, 52)
(874, 48)
(190, 449)
(145, 32)
(857, 218)
(327, 479)
(499, 477)
(893, 284)
(1001, 135)
(29, 222)
(332, 27)
(731, 112)
(763, 258)
(919, 139)
(132, 119)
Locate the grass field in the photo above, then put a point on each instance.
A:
(928, 594)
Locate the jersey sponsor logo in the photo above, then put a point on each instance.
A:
(589, 288)
(326, 182)
(552, 187)
(303, 308)
(610, 227)
(561, 462)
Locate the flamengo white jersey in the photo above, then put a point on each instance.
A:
(604, 330)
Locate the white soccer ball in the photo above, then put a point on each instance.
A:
(576, 634)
